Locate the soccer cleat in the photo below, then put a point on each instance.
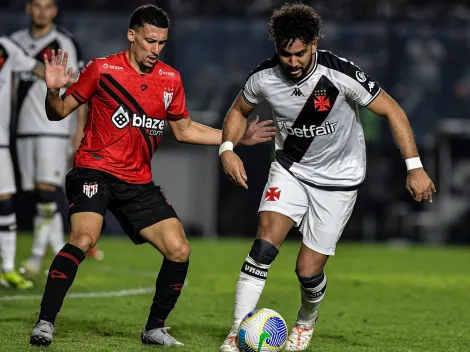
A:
(29, 268)
(42, 334)
(96, 253)
(300, 337)
(159, 336)
(231, 342)
(15, 280)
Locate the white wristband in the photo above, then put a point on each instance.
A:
(413, 163)
(225, 146)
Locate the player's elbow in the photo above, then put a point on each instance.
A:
(180, 136)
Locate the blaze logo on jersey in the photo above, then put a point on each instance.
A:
(167, 97)
(272, 194)
(121, 119)
(308, 131)
(90, 189)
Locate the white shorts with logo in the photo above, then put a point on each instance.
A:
(320, 214)
(42, 159)
(7, 174)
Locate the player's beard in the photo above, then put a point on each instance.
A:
(305, 71)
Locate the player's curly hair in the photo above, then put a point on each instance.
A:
(294, 21)
(149, 14)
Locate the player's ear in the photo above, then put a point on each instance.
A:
(131, 35)
(314, 45)
(28, 7)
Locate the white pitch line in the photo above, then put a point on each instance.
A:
(122, 293)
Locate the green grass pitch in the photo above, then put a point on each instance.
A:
(379, 299)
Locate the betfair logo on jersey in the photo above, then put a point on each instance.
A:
(121, 118)
(308, 131)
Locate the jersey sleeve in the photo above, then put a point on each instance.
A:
(22, 61)
(88, 80)
(362, 88)
(175, 102)
(252, 91)
(356, 84)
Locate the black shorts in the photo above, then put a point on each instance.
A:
(135, 206)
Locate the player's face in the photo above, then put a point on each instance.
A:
(42, 12)
(147, 43)
(297, 58)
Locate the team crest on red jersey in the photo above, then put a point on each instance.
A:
(167, 97)
(90, 189)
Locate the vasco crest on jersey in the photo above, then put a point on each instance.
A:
(321, 101)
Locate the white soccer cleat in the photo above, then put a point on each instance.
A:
(300, 337)
(231, 342)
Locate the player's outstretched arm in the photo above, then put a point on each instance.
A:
(418, 182)
(235, 127)
(57, 76)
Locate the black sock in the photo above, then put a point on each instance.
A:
(170, 281)
(61, 275)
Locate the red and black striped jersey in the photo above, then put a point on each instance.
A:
(126, 115)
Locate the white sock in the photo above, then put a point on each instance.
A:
(250, 285)
(8, 242)
(312, 291)
(56, 235)
(42, 229)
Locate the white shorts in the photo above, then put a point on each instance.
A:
(321, 215)
(7, 174)
(42, 160)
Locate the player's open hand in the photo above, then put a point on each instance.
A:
(420, 185)
(57, 76)
(233, 168)
(258, 132)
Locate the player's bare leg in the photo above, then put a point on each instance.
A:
(272, 230)
(48, 228)
(9, 277)
(84, 234)
(169, 238)
(312, 280)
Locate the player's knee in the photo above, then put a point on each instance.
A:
(263, 252)
(310, 265)
(6, 206)
(271, 231)
(82, 240)
(46, 203)
(179, 253)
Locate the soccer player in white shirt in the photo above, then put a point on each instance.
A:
(12, 59)
(320, 159)
(43, 146)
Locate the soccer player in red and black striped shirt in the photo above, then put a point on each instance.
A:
(131, 96)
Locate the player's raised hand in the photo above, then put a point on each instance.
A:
(258, 132)
(420, 185)
(57, 76)
(233, 168)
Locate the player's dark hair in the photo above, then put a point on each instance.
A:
(149, 14)
(294, 21)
